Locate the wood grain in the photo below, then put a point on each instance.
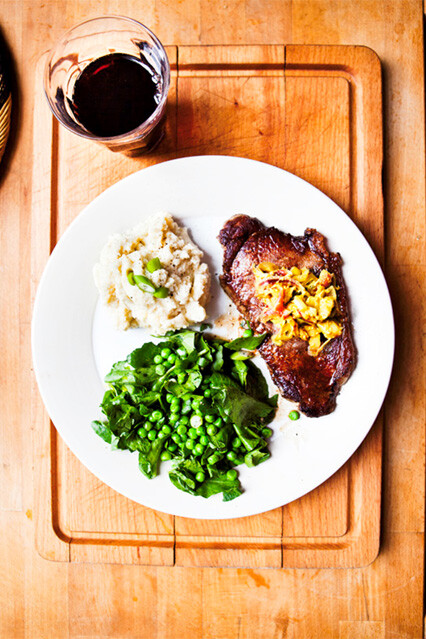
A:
(42, 598)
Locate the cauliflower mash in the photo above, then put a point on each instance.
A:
(153, 276)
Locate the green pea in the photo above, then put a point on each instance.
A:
(165, 455)
(218, 422)
(196, 421)
(232, 456)
(181, 430)
(160, 369)
(174, 408)
(173, 418)
(204, 440)
(266, 432)
(200, 476)
(181, 352)
(210, 418)
(213, 459)
(147, 425)
(172, 446)
(156, 415)
(211, 430)
(176, 438)
(294, 415)
(181, 377)
(190, 444)
(165, 352)
(236, 442)
(156, 386)
(184, 420)
(232, 474)
(202, 362)
(161, 435)
(201, 430)
(196, 402)
(152, 435)
(248, 333)
(199, 449)
(192, 433)
(153, 265)
(207, 392)
(166, 429)
(171, 358)
(142, 432)
(169, 398)
(158, 359)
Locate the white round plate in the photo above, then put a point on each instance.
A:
(74, 343)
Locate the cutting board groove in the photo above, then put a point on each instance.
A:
(314, 111)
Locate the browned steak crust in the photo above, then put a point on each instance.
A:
(313, 382)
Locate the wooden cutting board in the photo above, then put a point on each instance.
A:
(312, 110)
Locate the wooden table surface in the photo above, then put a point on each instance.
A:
(42, 599)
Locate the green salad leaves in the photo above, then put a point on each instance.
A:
(195, 399)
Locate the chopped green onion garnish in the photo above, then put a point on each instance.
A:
(131, 278)
(153, 265)
(162, 292)
(144, 284)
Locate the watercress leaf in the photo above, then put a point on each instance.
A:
(183, 480)
(249, 437)
(218, 361)
(218, 482)
(120, 372)
(232, 493)
(247, 343)
(195, 378)
(102, 429)
(232, 401)
(241, 369)
(256, 457)
(144, 356)
(134, 442)
(256, 384)
(222, 437)
(115, 441)
(175, 388)
(191, 465)
(149, 461)
(150, 397)
(185, 338)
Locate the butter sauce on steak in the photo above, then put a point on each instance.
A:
(313, 382)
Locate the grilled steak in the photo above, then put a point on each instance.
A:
(313, 382)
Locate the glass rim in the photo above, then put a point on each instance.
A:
(84, 133)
